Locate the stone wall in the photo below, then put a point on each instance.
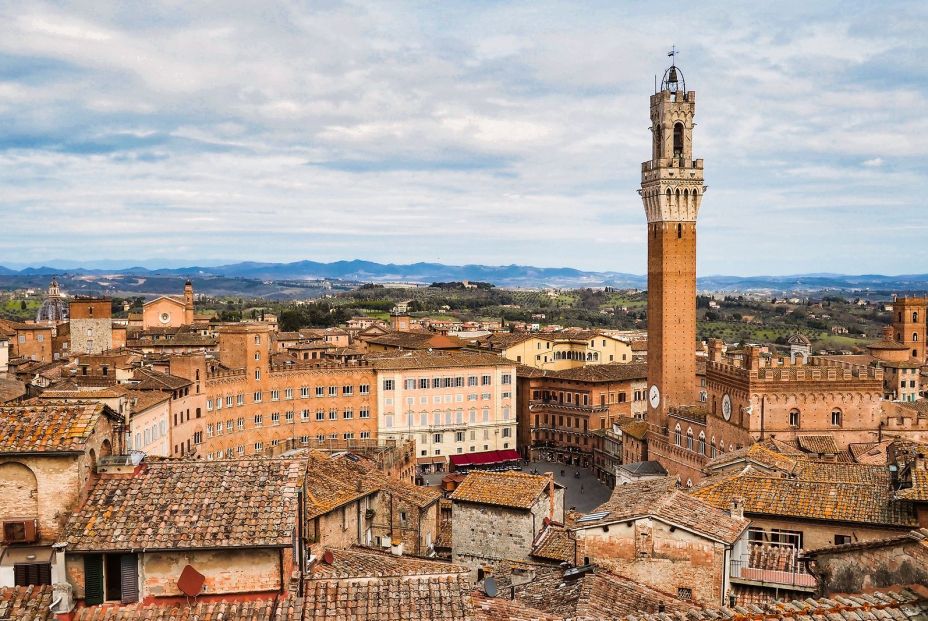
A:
(91, 336)
(856, 569)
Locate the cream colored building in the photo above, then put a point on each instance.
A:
(558, 351)
(450, 403)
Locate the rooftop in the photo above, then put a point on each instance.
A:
(611, 372)
(424, 359)
(660, 499)
(505, 489)
(58, 428)
(188, 504)
(357, 562)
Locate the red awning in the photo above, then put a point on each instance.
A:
(485, 458)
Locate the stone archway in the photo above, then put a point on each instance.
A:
(20, 491)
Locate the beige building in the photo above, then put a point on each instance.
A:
(169, 311)
(450, 403)
(568, 349)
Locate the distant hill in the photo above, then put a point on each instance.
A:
(359, 271)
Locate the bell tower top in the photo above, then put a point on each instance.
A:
(672, 181)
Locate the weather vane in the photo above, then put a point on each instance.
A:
(673, 54)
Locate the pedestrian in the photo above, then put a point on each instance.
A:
(581, 488)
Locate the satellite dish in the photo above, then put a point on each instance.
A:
(328, 557)
(191, 581)
(489, 587)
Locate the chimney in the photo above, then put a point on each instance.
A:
(888, 333)
(396, 546)
(550, 477)
(737, 508)
(715, 350)
(752, 357)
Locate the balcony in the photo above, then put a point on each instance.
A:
(537, 405)
(773, 566)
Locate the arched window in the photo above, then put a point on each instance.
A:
(914, 316)
(713, 451)
(689, 439)
(914, 336)
(836, 417)
(794, 418)
(702, 443)
(678, 436)
(678, 140)
(679, 231)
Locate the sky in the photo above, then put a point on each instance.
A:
(181, 133)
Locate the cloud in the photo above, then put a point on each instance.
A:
(486, 133)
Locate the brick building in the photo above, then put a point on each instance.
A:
(91, 325)
(237, 523)
(560, 411)
(48, 456)
(658, 536)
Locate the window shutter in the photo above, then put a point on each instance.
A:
(45, 573)
(129, 565)
(93, 579)
(20, 575)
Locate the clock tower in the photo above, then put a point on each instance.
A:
(671, 189)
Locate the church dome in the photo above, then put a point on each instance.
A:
(53, 308)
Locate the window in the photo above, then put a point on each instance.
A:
(320, 414)
(333, 413)
(507, 432)
(304, 392)
(472, 380)
(365, 435)
(275, 395)
(304, 439)
(110, 577)
(458, 436)
(685, 593)
(257, 374)
(348, 436)
(364, 389)
(836, 417)
(209, 433)
(259, 420)
(198, 437)
(209, 405)
(259, 446)
(304, 415)
(257, 397)
(289, 416)
(388, 384)
(702, 443)
(678, 436)
(347, 390)
(333, 391)
(364, 412)
(320, 391)
(409, 384)
(241, 423)
(840, 540)
(349, 413)
(794, 418)
(485, 380)
(240, 399)
(436, 438)
(257, 339)
(288, 393)
(507, 378)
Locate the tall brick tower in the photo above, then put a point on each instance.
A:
(909, 324)
(671, 189)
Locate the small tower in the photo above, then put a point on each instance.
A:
(671, 190)
(909, 325)
(188, 303)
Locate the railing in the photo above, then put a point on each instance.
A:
(772, 565)
(566, 407)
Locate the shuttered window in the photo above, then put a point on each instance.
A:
(93, 579)
(26, 574)
(130, 578)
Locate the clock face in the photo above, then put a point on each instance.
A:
(165, 317)
(726, 407)
(654, 396)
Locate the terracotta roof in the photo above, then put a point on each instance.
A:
(430, 598)
(416, 340)
(443, 539)
(833, 492)
(897, 605)
(357, 562)
(611, 372)
(756, 454)
(916, 481)
(30, 603)
(637, 429)
(820, 445)
(597, 595)
(49, 428)
(226, 610)
(149, 379)
(660, 499)
(553, 543)
(11, 389)
(141, 400)
(423, 359)
(505, 489)
(187, 504)
(872, 453)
